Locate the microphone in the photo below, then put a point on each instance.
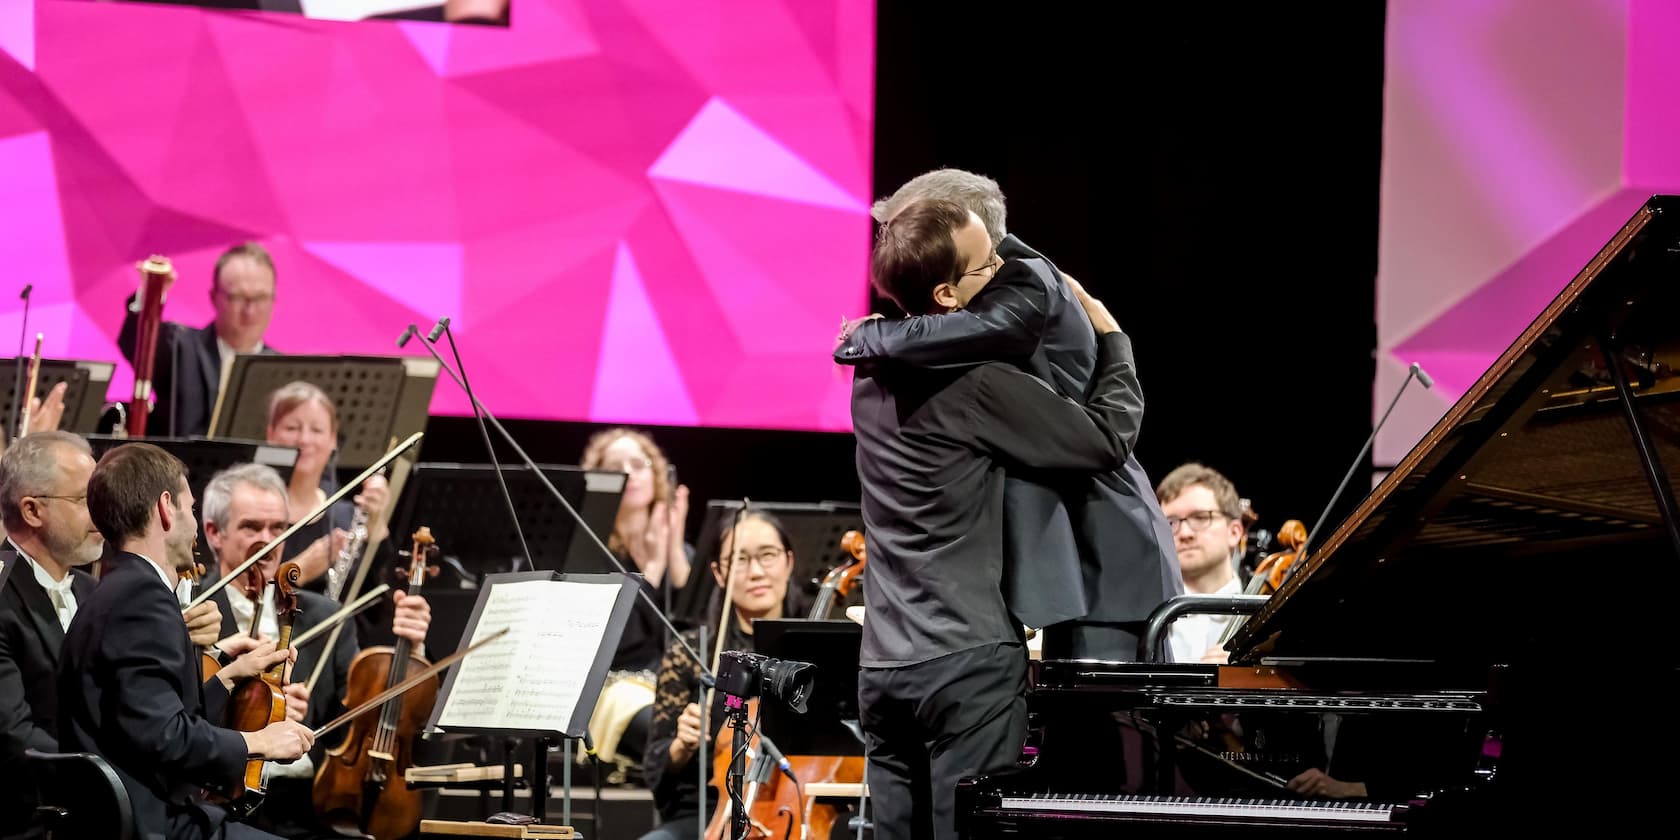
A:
(23, 338)
(1415, 372)
(407, 334)
(442, 328)
(484, 416)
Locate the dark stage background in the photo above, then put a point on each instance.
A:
(1209, 170)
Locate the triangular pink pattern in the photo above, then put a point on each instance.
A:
(17, 31)
(638, 378)
(32, 237)
(430, 40)
(425, 276)
(721, 148)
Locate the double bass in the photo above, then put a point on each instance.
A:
(256, 702)
(776, 807)
(360, 786)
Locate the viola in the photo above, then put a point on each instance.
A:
(256, 702)
(360, 786)
(776, 807)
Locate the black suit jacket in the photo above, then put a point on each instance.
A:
(30, 637)
(325, 702)
(1096, 551)
(129, 691)
(186, 374)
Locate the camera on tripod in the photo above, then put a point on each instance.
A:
(748, 675)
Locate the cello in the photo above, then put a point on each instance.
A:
(771, 798)
(360, 786)
(256, 702)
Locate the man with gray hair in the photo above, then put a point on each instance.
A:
(244, 508)
(1087, 559)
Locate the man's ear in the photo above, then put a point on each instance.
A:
(165, 510)
(213, 535)
(945, 296)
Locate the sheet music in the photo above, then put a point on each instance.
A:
(533, 678)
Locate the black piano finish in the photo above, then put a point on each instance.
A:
(1515, 566)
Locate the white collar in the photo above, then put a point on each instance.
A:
(42, 576)
(227, 351)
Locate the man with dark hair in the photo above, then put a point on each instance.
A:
(942, 688)
(129, 686)
(190, 363)
(1088, 561)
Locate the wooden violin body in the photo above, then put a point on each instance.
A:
(255, 702)
(360, 786)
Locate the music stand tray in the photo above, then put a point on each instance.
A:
(833, 647)
(84, 400)
(379, 399)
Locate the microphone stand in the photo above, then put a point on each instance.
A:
(560, 497)
(23, 337)
(443, 326)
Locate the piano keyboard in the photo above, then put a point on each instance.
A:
(1197, 807)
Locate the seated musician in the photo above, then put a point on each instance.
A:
(1029, 317)
(648, 538)
(302, 415)
(43, 501)
(129, 686)
(1205, 516)
(245, 506)
(756, 552)
(190, 363)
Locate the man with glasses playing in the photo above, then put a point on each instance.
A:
(43, 501)
(1205, 515)
(190, 363)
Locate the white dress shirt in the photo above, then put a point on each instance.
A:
(63, 598)
(1192, 635)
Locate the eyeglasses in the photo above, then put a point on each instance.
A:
(630, 465)
(263, 299)
(1197, 520)
(992, 265)
(75, 500)
(769, 557)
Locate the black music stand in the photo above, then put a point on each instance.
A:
(545, 680)
(204, 458)
(379, 399)
(84, 400)
(463, 507)
(813, 529)
(827, 726)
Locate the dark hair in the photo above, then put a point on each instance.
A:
(126, 485)
(794, 602)
(736, 519)
(915, 252)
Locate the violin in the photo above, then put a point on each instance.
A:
(360, 786)
(209, 662)
(775, 807)
(256, 702)
(155, 272)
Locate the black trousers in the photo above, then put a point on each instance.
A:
(928, 725)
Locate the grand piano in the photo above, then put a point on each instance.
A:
(1485, 644)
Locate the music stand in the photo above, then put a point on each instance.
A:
(205, 458)
(832, 710)
(814, 531)
(543, 681)
(84, 400)
(379, 399)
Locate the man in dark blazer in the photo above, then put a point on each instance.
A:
(244, 507)
(129, 684)
(43, 493)
(1087, 560)
(187, 369)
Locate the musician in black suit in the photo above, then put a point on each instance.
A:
(1087, 558)
(43, 493)
(245, 506)
(942, 685)
(187, 369)
(129, 684)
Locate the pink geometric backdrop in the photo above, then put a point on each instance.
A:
(1515, 144)
(644, 211)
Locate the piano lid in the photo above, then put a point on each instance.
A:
(1526, 508)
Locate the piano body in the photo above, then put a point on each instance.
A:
(1485, 641)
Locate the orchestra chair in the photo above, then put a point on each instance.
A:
(80, 796)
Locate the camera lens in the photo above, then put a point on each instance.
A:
(790, 682)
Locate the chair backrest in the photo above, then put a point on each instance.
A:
(80, 796)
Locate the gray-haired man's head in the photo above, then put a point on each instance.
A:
(976, 193)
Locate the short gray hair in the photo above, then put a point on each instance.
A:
(977, 193)
(218, 494)
(29, 467)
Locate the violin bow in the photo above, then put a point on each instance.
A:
(379, 699)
